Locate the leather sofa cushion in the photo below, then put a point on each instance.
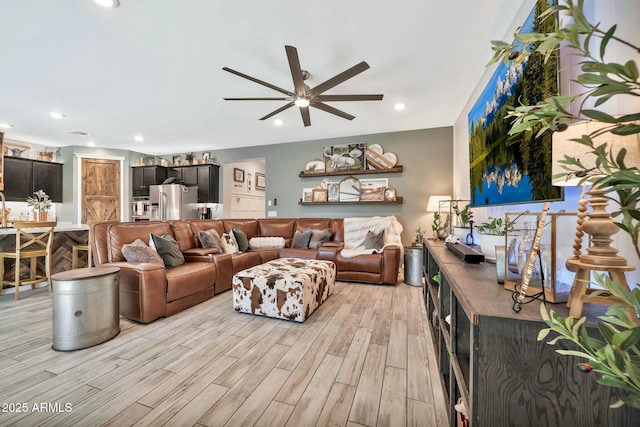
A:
(122, 233)
(337, 225)
(184, 235)
(371, 263)
(249, 226)
(303, 224)
(187, 279)
(246, 260)
(277, 227)
(298, 253)
(198, 225)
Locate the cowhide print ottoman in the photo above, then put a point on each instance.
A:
(285, 288)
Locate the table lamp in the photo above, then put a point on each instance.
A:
(600, 255)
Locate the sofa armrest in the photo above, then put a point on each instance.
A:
(391, 264)
(142, 290)
(338, 245)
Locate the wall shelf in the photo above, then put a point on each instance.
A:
(398, 201)
(396, 169)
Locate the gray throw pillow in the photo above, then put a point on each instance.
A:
(210, 239)
(241, 239)
(318, 237)
(374, 241)
(168, 249)
(138, 251)
(301, 239)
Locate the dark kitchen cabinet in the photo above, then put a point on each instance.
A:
(206, 177)
(144, 176)
(22, 177)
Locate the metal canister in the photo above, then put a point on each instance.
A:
(86, 309)
(413, 265)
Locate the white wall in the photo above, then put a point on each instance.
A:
(625, 14)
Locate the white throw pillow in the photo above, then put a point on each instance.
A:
(266, 243)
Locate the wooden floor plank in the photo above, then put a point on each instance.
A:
(274, 373)
(367, 400)
(393, 401)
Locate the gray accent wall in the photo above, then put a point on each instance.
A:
(426, 154)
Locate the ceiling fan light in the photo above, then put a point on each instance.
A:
(301, 102)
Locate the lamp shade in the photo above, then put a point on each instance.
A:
(563, 145)
(433, 205)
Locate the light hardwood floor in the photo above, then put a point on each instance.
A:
(363, 358)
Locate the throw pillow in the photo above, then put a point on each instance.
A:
(168, 250)
(138, 251)
(374, 241)
(318, 237)
(241, 239)
(266, 242)
(229, 243)
(301, 239)
(210, 239)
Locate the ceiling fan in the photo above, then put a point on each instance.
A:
(303, 96)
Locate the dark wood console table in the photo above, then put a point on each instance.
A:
(490, 356)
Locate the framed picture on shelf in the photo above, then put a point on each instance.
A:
(390, 194)
(372, 190)
(206, 157)
(344, 157)
(238, 175)
(261, 181)
(350, 189)
(319, 195)
(314, 166)
(307, 194)
(177, 161)
(333, 192)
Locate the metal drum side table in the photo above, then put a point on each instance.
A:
(86, 309)
(413, 265)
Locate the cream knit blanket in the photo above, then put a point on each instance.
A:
(356, 229)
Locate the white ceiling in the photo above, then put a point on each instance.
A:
(154, 67)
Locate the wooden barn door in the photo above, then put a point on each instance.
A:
(100, 192)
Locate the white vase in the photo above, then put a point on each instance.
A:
(488, 243)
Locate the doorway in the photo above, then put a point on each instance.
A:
(100, 189)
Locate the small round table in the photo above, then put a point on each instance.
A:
(86, 308)
(413, 265)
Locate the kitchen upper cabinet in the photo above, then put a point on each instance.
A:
(22, 177)
(144, 176)
(206, 177)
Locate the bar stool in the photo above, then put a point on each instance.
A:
(33, 240)
(77, 248)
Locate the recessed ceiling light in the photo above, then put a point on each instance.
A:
(278, 122)
(56, 115)
(139, 138)
(108, 3)
(5, 126)
(399, 106)
(91, 144)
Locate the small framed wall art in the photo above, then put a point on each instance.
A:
(261, 181)
(238, 175)
(319, 195)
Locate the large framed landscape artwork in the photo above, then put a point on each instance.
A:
(513, 169)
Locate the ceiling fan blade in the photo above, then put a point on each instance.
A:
(296, 71)
(279, 110)
(257, 99)
(306, 118)
(345, 75)
(330, 109)
(335, 98)
(253, 79)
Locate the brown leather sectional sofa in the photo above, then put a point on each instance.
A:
(150, 291)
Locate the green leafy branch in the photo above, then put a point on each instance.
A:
(616, 357)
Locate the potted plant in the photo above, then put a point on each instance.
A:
(439, 226)
(492, 233)
(419, 234)
(464, 217)
(615, 353)
(40, 204)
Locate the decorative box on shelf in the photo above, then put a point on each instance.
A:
(556, 246)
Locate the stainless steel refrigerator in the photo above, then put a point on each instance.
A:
(173, 201)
